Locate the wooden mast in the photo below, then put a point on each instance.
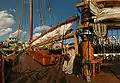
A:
(31, 20)
(76, 44)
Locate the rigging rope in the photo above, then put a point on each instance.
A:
(41, 17)
(51, 16)
(89, 61)
(112, 36)
(117, 38)
(50, 13)
(49, 10)
(20, 19)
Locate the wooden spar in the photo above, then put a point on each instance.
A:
(107, 3)
(114, 26)
(55, 27)
(83, 26)
(31, 20)
(87, 51)
(56, 38)
(3, 79)
(76, 44)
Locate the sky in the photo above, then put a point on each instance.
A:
(11, 12)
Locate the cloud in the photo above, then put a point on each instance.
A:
(6, 21)
(41, 29)
(36, 35)
(12, 10)
(18, 33)
(5, 31)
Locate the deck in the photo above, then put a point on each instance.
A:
(29, 71)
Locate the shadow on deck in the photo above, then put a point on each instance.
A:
(29, 71)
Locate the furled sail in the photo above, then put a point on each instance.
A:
(110, 13)
(61, 30)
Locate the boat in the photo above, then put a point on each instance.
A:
(39, 63)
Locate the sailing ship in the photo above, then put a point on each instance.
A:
(37, 63)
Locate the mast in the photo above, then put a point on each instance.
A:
(31, 21)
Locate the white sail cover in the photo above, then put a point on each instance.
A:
(57, 32)
(112, 13)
